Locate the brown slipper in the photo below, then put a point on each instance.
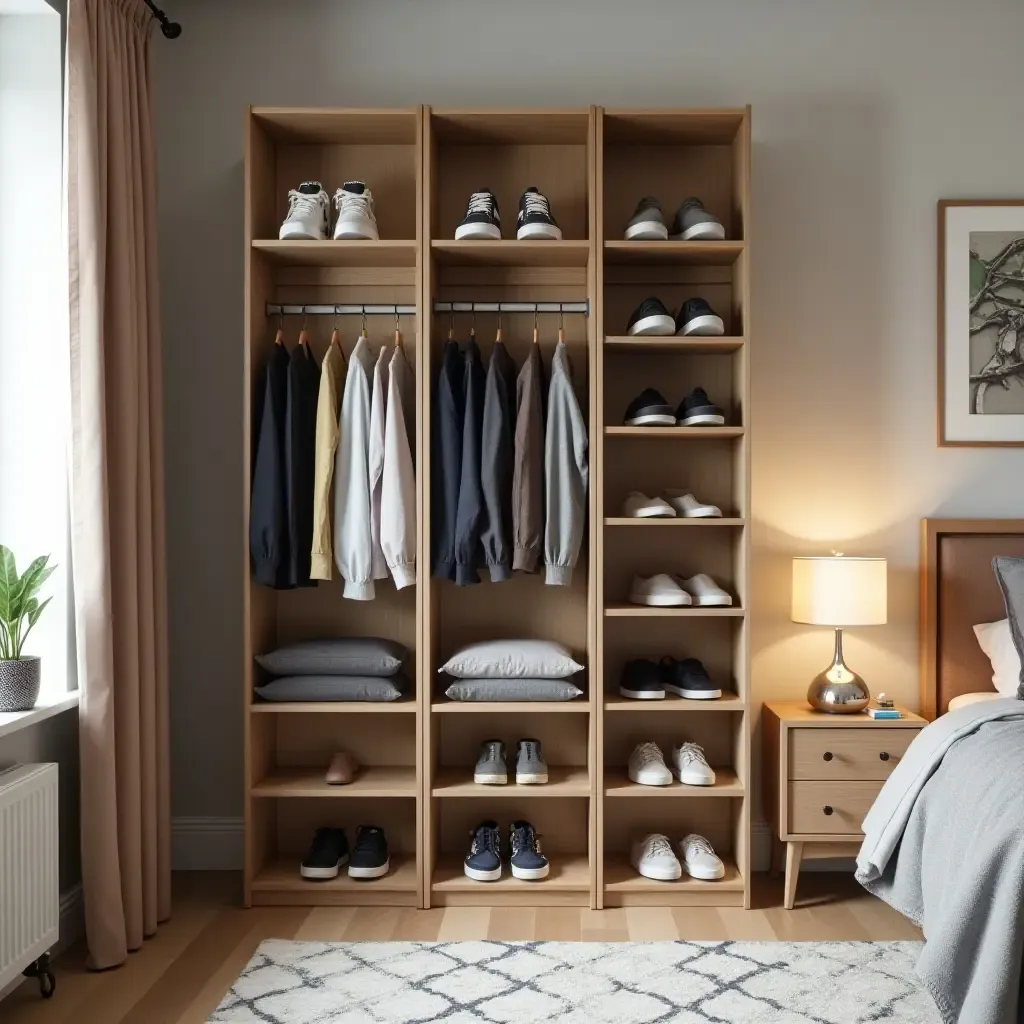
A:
(342, 770)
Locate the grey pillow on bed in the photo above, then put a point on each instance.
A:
(1010, 574)
(304, 688)
(512, 689)
(340, 656)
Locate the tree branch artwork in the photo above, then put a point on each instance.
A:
(997, 301)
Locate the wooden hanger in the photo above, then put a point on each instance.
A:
(304, 336)
(472, 325)
(451, 325)
(561, 326)
(497, 335)
(536, 337)
(336, 339)
(279, 337)
(398, 331)
(362, 329)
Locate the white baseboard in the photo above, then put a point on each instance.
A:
(761, 854)
(207, 844)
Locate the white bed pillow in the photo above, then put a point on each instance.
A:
(995, 640)
(512, 659)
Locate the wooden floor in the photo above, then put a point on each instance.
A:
(180, 975)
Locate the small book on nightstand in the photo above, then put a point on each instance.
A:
(882, 708)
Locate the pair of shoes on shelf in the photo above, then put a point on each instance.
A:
(484, 861)
(692, 223)
(329, 853)
(649, 409)
(492, 770)
(653, 857)
(483, 218)
(669, 591)
(643, 679)
(673, 503)
(309, 212)
(695, 318)
(647, 765)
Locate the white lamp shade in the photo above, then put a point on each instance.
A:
(835, 590)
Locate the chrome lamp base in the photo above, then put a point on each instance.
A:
(837, 690)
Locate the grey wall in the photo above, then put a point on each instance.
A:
(864, 115)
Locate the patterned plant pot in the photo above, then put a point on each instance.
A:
(19, 684)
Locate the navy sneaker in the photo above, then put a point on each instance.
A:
(697, 317)
(651, 318)
(649, 409)
(641, 680)
(482, 218)
(535, 219)
(369, 854)
(528, 862)
(483, 862)
(328, 853)
(697, 410)
(687, 678)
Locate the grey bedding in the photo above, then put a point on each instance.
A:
(944, 845)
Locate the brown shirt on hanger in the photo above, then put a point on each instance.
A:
(528, 471)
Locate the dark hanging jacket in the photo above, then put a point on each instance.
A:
(446, 460)
(300, 461)
(268, 515)
(497, 455)
(469, 519)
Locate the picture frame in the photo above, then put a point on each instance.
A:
(981, 323)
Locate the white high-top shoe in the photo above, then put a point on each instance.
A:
(354, 203)
(308, 213)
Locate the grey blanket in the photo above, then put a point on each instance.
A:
(944, 845)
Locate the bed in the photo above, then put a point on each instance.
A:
(944, 841)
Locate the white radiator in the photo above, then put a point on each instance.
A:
(29, 885)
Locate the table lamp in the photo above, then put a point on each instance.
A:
(833, 590)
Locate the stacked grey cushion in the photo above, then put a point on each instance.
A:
(512, 670)
(1010, 574)
(340, 669)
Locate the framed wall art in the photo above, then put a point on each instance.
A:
(981, 322)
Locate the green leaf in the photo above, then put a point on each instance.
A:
(32, 579)
(8, 581)
(33, 615)
(979, 272)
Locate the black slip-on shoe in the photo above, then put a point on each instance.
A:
(651, 318)
(649, 409)
(641, 679)
(328, 853)
(687, 678)
(369, 854)
(697, 410)
(698, 318)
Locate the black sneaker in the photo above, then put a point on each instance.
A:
(641, 680)
(694, 223)
(370, 854)
(528, 862)
(328, 853)
(483, 862)
(647, 223)
(687, 678)
(696, 410)
(482, 218)
(651, 317)
(535, 220)
(697, 317)
(649, 409)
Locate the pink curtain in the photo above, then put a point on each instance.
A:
(117, 482)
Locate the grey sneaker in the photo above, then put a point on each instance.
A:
(693, 223)
(531, 769)
(647, 223)
(490, 767)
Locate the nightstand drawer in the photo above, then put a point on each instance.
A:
(830, 808)
(845, 753)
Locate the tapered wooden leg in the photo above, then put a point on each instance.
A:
(794, 854)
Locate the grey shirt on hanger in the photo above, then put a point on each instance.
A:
(496, 462)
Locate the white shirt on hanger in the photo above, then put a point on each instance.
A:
(398, 489)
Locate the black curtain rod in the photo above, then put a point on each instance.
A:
(171, 29)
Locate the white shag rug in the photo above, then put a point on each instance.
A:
(579, 983)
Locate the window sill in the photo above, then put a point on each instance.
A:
(14, 721)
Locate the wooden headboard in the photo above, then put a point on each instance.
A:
(959, 589)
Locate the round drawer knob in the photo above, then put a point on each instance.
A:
(827, 809)
(827, 756)
(883, 756)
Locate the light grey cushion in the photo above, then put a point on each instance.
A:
(302, 688)
(1010, 574)
(512, 659)
(341, 656)
(513, 689)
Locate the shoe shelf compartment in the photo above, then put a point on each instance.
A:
(703, 254)
(385, 252)
(654, 522)
(623, 344)
(618, 784)
(729, 701)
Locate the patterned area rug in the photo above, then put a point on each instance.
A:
(579, 983)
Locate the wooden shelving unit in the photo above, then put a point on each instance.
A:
(418, 753)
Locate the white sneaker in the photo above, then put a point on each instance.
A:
(660, 591)
(691, 766)
(704, 591)
(308, 213)
(689, 507)
(639, 506)
(354, 203)
(647, 766)
(700, 859)
(652, 856)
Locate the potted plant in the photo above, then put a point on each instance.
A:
(20, 609)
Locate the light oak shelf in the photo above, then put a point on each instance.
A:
(282, 875)
(620, 344)
(569, 872)
(370, 781)
(385, 252)
(404, 705)
(639, 611)
(679, 433)
(533, 707)
(511, 253)
(671, 702)
(621, 877)
(675, 521)
(618, 784)
(562, 781)
(703, 254)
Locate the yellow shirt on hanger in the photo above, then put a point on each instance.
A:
(332, 373)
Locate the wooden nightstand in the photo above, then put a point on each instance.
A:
(822, 774)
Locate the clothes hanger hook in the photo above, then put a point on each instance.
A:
(363, 309)
(451, 323)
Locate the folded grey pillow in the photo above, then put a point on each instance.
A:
(303, 688)
(513, 689)
(1010, 574)
(340, 656)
